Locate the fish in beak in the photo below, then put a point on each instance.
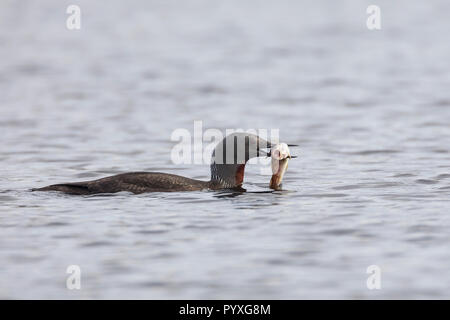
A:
(280, 155)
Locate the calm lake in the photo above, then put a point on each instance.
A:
(369, 109)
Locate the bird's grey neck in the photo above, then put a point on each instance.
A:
(230, 156)
(227, 175)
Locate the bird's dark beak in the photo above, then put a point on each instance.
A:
(290, 157)
(269, 154)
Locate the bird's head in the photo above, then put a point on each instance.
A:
(232, 153)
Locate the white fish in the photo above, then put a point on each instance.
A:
(280, 155)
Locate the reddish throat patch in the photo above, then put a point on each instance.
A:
(240, 174)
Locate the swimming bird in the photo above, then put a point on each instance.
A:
(227, 172)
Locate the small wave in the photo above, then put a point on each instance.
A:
(426, 181)
(97, 244)
(404, 175)
(371, 152)
(442, 176)
(323, 195)
(7, 198)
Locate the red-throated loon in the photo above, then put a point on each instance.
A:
(227, 171)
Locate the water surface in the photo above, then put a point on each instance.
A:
(369, 109)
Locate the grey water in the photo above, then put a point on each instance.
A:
(370, 111)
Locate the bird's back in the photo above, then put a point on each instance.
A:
(135, 182)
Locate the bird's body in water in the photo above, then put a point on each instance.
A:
(135, 182)
(227, 172)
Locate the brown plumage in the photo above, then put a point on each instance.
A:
(135, 182)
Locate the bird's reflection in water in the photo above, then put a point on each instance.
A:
(235, 192)
(229, 193)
